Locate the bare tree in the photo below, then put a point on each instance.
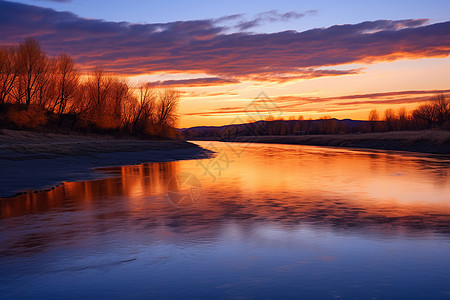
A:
(434, 113)
(143, 114)
(66, 83)
(129, 109)
(425, 113)
(53, 86)
(441, 107)
(100, 84)
(389, 118)
(120, 92)
(9, 71)
(327, 125)
(17, 92)
(45, 90)
(98, 87)
(32, 64)
(168, 100)
(373, 119)
(402, 118)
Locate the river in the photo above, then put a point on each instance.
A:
(254, 221)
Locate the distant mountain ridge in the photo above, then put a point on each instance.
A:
(278, 127)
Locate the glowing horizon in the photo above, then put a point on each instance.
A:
(220, 64)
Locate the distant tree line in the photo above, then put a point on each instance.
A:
(433, 114)
(41, 91)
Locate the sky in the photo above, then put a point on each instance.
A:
(310, 58)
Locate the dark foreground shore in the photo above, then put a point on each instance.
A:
(429, 141)
(33, 161)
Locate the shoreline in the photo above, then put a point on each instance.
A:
(428, 141)
(31, 161)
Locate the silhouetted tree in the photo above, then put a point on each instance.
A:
(327, 125)
(32, 63)
(66, 83)
(9, 71)
(402, 119)
(389, 118)
(46, 90)
(52, 86)
(441, 107)
(168, 100)
(143, 113)
(120, 94)
(373, 120)
(434, 113)
(425, 114)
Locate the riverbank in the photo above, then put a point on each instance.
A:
(429, 141)
(34, 161)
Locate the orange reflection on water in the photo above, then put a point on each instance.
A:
(132, 182)
(269, 183)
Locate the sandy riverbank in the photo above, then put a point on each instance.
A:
(429, 141)
(32, 161)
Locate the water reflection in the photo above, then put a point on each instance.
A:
(132, 182)
(288, 208)
(287, 184)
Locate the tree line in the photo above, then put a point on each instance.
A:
(432, 114)
(37, 90)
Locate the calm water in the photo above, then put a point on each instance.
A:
(255, 221)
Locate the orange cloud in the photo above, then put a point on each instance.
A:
(196, 82)
(290, 103)
(207, 47)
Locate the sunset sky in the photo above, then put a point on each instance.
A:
(312, 58)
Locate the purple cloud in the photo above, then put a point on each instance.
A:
(196, 82)
(296, 104)
(271, 17)
(205, 47)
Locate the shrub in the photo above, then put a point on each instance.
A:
(28, 117)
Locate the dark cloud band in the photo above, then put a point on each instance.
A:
(205, 47)
(296, 104)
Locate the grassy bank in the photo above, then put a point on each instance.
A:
(18, 145)
(33, 161)
(429, 141)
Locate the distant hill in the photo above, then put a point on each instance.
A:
(277, 127)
